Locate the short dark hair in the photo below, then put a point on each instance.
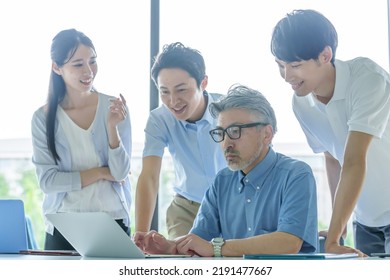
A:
(176, 55)
(303, 35)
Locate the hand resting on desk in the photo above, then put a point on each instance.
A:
(154, 243)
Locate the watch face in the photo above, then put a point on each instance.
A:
(217, 241)
(217, 244)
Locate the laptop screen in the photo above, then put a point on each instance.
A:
(97, 235)
(13, 233)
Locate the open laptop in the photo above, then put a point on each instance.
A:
(97, 235)
(13, 232)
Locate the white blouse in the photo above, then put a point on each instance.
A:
(96, 197)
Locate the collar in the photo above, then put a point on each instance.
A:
(206, 116)
(258, 175)
(342, 80)
(341, 84)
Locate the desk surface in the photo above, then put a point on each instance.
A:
(51, 257)
(36, 257)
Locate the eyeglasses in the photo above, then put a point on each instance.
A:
(233, 131)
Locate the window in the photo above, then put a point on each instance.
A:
(233, 36)
(120, 31)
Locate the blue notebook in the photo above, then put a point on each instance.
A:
(311, 256)
(13, 232)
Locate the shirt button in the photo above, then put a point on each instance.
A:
(248, 200)
(249, 229)
(258, 187)
(246, 180)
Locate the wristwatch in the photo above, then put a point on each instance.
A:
(217, 244)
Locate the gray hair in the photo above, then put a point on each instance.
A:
(242, 97)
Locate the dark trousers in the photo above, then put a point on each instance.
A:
(372, 239)
(58, 242)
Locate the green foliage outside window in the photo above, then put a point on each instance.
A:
(28, 191)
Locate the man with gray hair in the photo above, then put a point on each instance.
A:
(262, 203)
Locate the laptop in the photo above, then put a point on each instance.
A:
(13, 232)
(98, 235)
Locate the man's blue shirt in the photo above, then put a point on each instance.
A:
(279, 194)
(196, 157)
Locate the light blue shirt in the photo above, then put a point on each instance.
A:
(196, 157)
(279, 194)
(56, 180)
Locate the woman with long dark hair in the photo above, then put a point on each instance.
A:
(81, 140)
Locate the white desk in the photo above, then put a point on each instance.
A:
(36, 257)
(52, 257)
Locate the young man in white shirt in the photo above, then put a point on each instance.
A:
(343, 108)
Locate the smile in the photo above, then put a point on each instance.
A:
(87, 82)
(296, 86)
(179, 111)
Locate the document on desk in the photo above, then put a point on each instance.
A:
(50, 252)
(311, 256)
(380, 255)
